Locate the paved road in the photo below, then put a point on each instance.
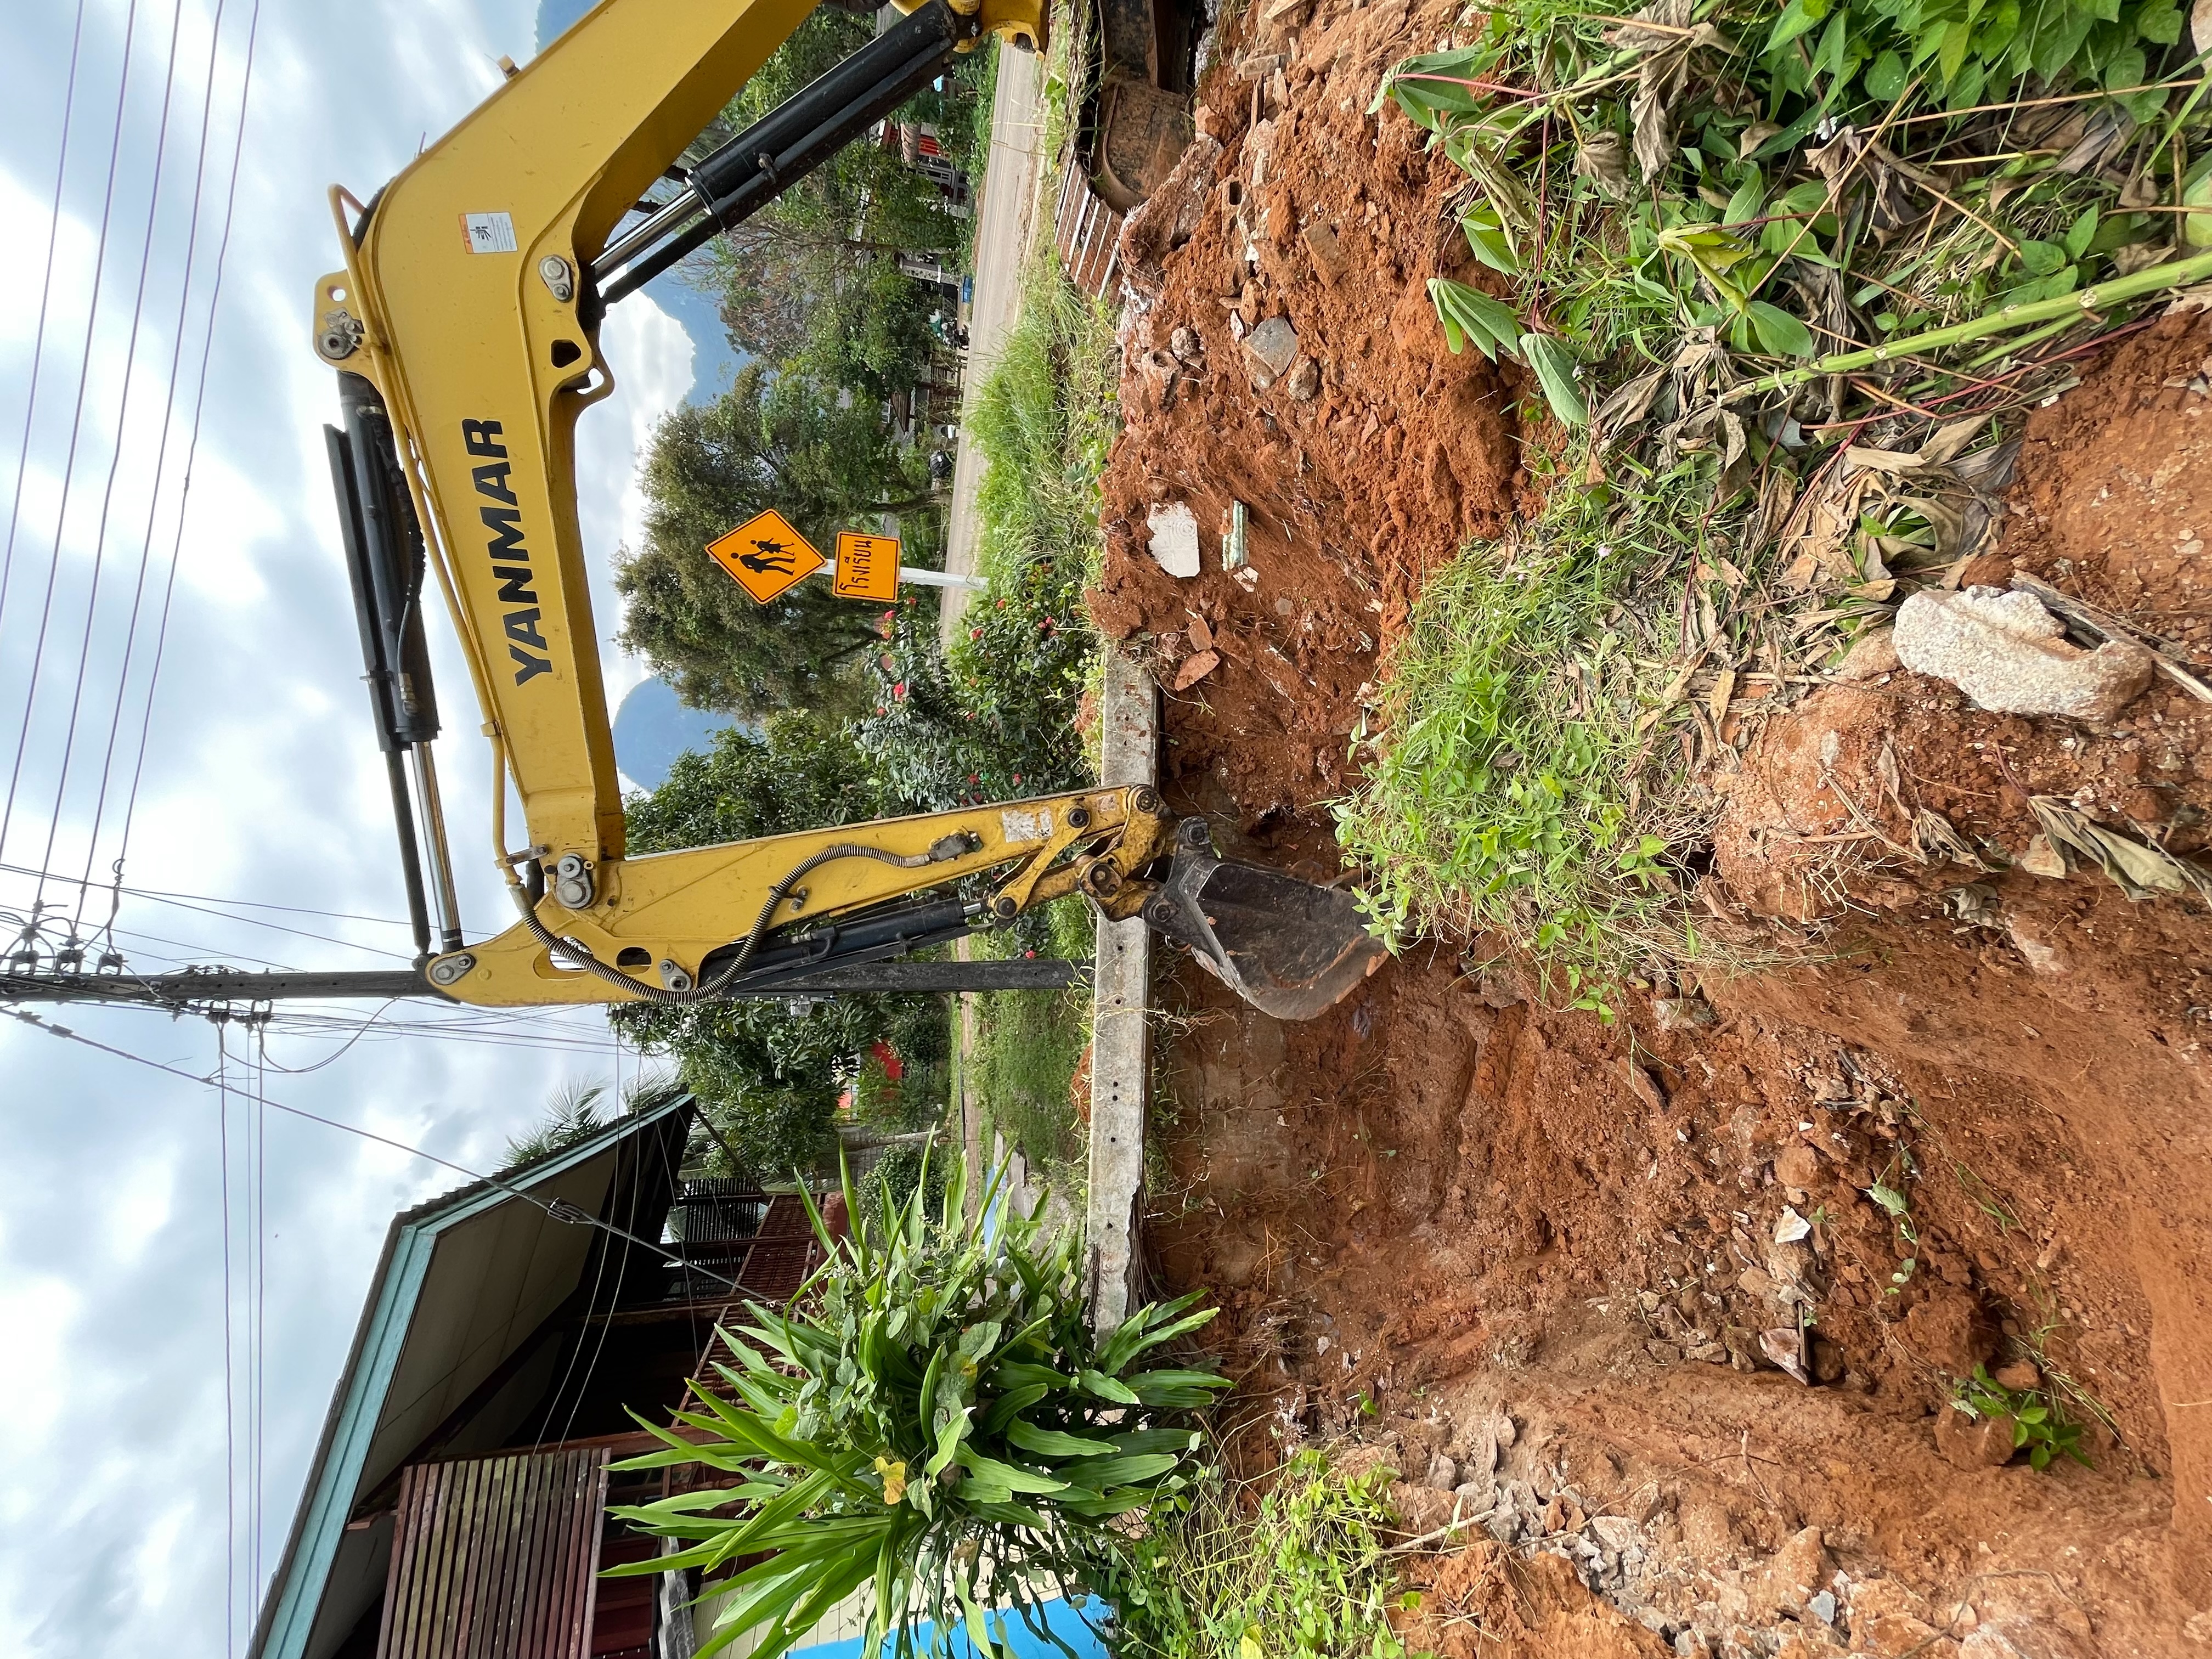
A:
(1009, 189)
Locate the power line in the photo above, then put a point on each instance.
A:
(204, 898)
(558, 1209)
(115, 456)
(183, 903)
(76, 425)
(192, 445)
(46, 298)
(161, 449)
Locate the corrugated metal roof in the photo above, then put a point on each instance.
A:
(464, 1279)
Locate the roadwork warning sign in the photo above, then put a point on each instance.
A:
(867, 566)
(765, 555)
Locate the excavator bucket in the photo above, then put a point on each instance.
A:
(1289, 948)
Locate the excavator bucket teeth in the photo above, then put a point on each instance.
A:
(1289, 948)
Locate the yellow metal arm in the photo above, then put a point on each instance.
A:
(467, 302)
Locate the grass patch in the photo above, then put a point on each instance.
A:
(1043, 419)
(1742, 248)
(1515, 786)
(1303, 1575)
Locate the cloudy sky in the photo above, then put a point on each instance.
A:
(261, 781)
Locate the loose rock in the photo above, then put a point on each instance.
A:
(1305, 379)
(1270, 349)
(1973, 1442)
(2010, 656)
(1174, 545)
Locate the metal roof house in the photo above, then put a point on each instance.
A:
(456, 1503)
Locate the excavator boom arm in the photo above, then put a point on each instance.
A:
(465, 329)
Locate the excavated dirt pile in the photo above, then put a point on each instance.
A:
(1672, 1306)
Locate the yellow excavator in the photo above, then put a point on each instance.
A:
(465, 328)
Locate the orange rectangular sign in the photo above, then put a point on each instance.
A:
(867, 566)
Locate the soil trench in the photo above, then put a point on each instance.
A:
(1559, 1271)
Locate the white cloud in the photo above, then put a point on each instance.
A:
(650, 355)
(262, 781)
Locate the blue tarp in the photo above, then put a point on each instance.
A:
(1064, 1621)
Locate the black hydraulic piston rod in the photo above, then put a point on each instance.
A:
(752, 169)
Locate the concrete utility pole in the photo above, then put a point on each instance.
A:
(199, 987)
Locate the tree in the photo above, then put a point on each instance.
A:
(767, 1074)
(769, 442)
(816, 270)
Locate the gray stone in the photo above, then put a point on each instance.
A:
(1823, 1607)
(1272, 345)
(2011, 656)
(1186, 344)
(1305, 379)
(1443, 1475)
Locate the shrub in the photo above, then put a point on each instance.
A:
(933, 1415)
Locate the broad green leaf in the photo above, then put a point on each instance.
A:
(2080, 233)
(1106, 1387)
(1886, 77)
(1797, 18)
(1009, 1476)
(2041, 258)
(2196, 193)
(1052, 1443)
(1554, 363)
(1779, 333)
(1102, 1474)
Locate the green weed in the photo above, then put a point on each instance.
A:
(1513, 785)
(2039, 1424)
(1307, 1577)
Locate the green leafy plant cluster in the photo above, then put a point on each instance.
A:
(1505, 798)
(933, 1419)
(1307, 1577)
(1962, 49)
(2039, 1425)
(1728, 241)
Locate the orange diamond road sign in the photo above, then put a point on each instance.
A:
(765, 555)
(867, 566)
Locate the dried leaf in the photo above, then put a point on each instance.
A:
(1723, 693)
(1885, 768)
(1603, 160)
(1881, 460)
(1672, 17)
(1630, 401)
(1785, 1348)
(2200, 25)
(2136, 868)
(1753, 136)
(1951, 438)
(1655, 133)
(1975, 905)
(1938, 842)
(2042, 858)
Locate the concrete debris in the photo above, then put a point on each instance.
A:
(2010, 656)
(1187, 345)
(1271, 347)
(1304, 381)
(1174, 543)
